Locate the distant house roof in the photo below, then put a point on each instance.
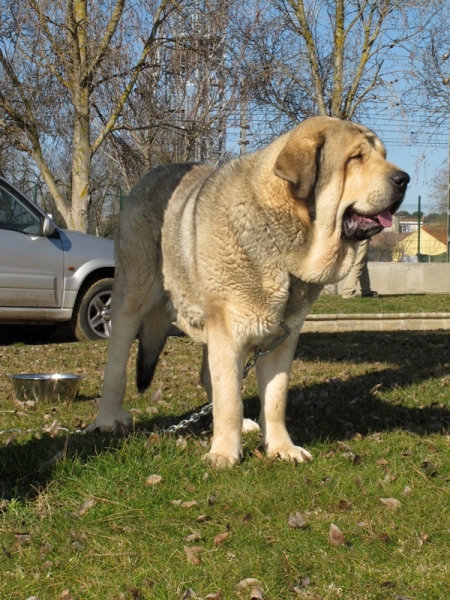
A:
(440, 233)
(430, 244)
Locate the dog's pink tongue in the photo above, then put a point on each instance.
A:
(385, 218)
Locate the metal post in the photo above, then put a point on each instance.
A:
(448, 215)
(418, 233)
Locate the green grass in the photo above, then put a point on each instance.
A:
(413, 303)
(372, 408)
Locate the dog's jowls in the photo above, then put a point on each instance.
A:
(229, 253)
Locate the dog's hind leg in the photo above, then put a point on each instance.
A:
(152, 337)
(129, 311)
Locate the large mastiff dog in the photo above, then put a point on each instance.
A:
(232, 255)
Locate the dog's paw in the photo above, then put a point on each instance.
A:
(220, 461)
(248, 425)
(118, 422)
(292, 453)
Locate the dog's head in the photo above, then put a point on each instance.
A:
(339, 169)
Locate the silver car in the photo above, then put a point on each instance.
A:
(49, 275)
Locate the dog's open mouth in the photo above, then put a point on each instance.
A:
(362, 227)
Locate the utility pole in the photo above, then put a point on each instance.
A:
(418, 230)
(446, 81)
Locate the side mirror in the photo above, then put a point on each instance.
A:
(48, 227)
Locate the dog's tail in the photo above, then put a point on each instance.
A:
(152, 336)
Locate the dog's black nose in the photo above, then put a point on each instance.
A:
(401, 178)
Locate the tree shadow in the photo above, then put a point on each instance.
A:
(333, 409)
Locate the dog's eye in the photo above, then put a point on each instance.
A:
(357, 157)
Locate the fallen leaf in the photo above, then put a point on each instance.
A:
(336, 536)
(296, 520)
(157, 396)
(66, 595)
(202, 519)
(383, 537)
(181, 442)
(245, 583)
(191, 553)
(424, 537)
(391, 503)
(78, 536)
(221, 537)
(429, 467)
(256, 594)
(153, 480)
(83, 508)
(23, 539)
(189, 503)
(344, 505)
(193, 537)
(214, 596)
(388, 584)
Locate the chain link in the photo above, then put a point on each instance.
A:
(195, 417)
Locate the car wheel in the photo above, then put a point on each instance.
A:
(91, 319)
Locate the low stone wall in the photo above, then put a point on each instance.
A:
(377, 322)
(406, 278)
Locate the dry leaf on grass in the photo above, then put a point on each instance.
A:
(203, 519)
(191, 554)
(424, 537)
(189, 503)
(193, 537)
(391, 503)
(336, 536)
(22, 539)
(214, 596)
(157, 396)
(83, 508)
(221, 537)
(256, 594)
(248, 582)
(296, 520)
(153, 480)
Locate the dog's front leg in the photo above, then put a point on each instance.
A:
(273, 382)
(225, 364)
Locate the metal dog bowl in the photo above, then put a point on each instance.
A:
(46, 388)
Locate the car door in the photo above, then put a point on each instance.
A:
(31, 264)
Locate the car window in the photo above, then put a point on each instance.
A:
(15, 215)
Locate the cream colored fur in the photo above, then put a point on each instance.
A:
(217, 252)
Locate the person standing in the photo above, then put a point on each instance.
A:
(359, 273)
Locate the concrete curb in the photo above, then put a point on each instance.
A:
(376, 322)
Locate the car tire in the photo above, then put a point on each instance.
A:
(91, 316)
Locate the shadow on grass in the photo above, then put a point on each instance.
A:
(334, 409)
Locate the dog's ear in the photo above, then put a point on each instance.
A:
(298, 163)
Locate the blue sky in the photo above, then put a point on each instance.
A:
(421, 162)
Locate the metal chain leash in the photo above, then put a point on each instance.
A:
(195, 417)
